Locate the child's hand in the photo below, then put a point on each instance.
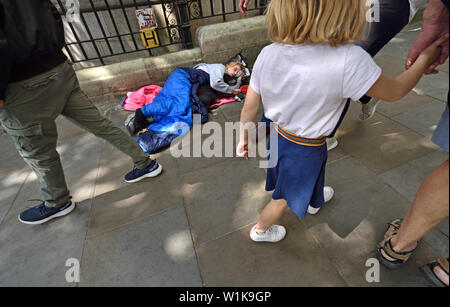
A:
(431, 53)
(2, 103)
(242, 149)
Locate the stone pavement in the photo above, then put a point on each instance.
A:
(190, 226)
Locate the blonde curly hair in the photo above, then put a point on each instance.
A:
(316, 21)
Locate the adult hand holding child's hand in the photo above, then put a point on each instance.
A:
(432, 53)
(435, 25)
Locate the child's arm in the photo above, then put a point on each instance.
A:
(248, 115)
(393, 89)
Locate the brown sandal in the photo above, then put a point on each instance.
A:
(428, 270)
(386, 246)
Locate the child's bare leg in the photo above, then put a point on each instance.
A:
(271, 213)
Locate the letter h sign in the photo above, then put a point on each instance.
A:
(150, 38)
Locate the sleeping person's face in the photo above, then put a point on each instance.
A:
(232, 71)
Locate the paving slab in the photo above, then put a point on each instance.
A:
(410, 102)
(352, 255)
(154, 251)
(297, 261)
(359, 194)
(232, 111)
(10, 185)
(423, 119)
(21, 245)
(224, 198)
(406, 179)
(380, 143)
(37, 255)
(118, 203)
(203, 137)
(11, 160)
(435, 86)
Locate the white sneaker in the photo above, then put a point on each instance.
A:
(273, 234)
(368, 110)
(328, 194)
(332, 143)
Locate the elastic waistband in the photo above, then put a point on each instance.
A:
(300, 140)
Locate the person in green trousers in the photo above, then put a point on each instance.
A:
(37, 84)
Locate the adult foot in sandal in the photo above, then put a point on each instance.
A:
(388, 253)
(404, 251)
(437, 272)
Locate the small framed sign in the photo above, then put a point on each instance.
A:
(150, 38)
(146, 18)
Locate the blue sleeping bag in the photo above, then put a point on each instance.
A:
(172, 109)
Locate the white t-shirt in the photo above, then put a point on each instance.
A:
(304, 87)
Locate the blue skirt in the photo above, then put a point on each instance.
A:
(299, 176)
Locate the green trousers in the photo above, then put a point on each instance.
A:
(28, 117)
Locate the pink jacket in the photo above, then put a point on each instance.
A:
(140, 98)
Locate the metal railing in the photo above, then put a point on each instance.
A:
(107, 31)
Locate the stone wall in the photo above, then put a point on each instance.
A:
(216, 44)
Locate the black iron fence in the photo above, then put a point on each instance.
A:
(100, 32)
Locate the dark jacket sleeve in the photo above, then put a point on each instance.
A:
(445, 2)
(5, 61)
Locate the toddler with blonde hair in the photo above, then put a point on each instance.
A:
(303, 80)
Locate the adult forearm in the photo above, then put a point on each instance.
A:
(435, 13)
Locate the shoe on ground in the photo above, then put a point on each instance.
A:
(328, 194)
(274, 233)
(153, 170)
(332, 143)
(140, 121)
(41, 213)
(368, 110)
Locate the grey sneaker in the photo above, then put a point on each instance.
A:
(332, 143)
(368, 110)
